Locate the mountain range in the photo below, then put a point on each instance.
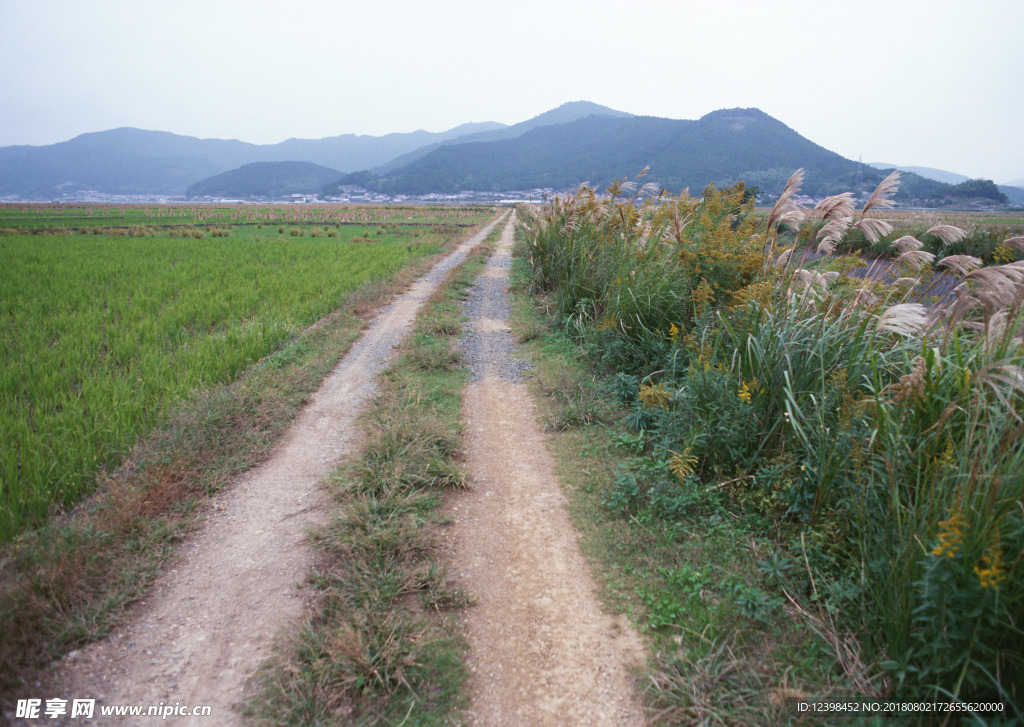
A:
(721, 148)
(136, 161)
(1014, 190)
(576, 142)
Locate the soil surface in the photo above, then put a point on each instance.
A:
(213, 616)
(542, 651)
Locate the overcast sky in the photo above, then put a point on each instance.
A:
(938, 83)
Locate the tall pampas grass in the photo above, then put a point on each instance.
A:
(786, 210)
(905, 319)
(882, 197)
(960, 264)
(949, 234)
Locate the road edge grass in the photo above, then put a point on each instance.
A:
(68, 582)
(381, 643)
(725, 647)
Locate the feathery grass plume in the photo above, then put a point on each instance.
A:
(651, 189)
(832, 233)
(817, 278)
(1004, 379)
(784, 257)
(815, 284)
(906, 283)
(947, 233)
(998, 286)
(836, 207)
(1017, 242)
(786, 210)
(915, 259)
(911, 386)
(571, 223)
(864, 297)
(826, 247)
(964, 301)
(999, 327)
(674, 231)
(873, 228)
(905, 319)
(959, 264)
(907, 242)
(882, 196)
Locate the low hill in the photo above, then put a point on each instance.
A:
(564, 114)
(1014, 194)
(265, 180)
(939, 175)
(952, 190)
(721, 148)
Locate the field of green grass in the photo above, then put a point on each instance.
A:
(31, 217)
(107, 326)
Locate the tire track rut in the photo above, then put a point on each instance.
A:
(542, 652)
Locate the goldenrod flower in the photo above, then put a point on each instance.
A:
(951, 537)
(703, 297)
(747, 388)
(682, 465)
(990, 570)
(653, 396)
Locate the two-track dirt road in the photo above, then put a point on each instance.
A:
(211, 619)
(542, 652)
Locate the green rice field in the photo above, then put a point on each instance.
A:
(103, 331)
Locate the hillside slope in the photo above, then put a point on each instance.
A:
(721, 147)
(137, 161)
(267, 180)
(564, 114)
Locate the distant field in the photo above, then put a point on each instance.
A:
(42, 216)
(102, 331)
(1012, 220)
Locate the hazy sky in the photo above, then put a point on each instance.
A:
(937, 83)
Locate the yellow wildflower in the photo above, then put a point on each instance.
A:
(653, 396)
(993, 572)
(703, 297)
(682, 465)
(747, 388)
(951, 537)
(948, 457)
(1003, 254)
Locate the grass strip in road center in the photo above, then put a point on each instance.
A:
(381, 647)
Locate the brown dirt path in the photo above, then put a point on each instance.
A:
(542, 651)
(212, 617)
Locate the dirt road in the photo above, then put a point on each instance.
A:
(211, 618)
(542, 652)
